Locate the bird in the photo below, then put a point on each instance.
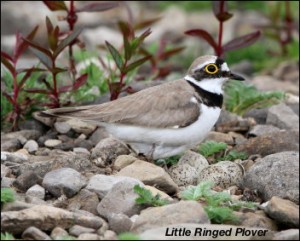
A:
(167, 119)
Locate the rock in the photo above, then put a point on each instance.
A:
(15, 206)
(81, 126)
(5, 171)
(107, 150)
(99, 135)
(120, 199)
(150, 174)
(52, 143)
(156, 191)
(32, 125)
(110, 235)
(31, 146)
(123, 161)
(260, 130)
(283, 117)
(45, 164)
(89, 236)
(45, 218)
(80, 150)
(27, 180)
(57, 233)
(84, 200)
(181, 212)
(62, 127)
(219, 137)
(259, 115)
(283, 211)
(48, 136)
(271, 143)
(76, 230)
(36, 191)
(83, 143)
(102, 184)
(237, 138)
(64, 181)
(231, 122)
(236, 233)
(10, 145)
(186, 171)
(27, 134)
(223, 174)
(119, 223)
(269, 83)
(275, 175)
(255, 220)
(33, 233)
(36, 200)
(7, 181)
(14, 157)
(289, 234)
(287, 71)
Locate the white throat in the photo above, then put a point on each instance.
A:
(210, 85)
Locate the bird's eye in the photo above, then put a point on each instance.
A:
(211, 68)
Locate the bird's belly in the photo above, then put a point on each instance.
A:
(186, 136)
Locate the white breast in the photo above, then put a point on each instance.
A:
(189, 135)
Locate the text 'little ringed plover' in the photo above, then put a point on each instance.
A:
(167, 119)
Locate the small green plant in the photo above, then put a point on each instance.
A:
(233, 155)
(210, 148)
(216, 149)
(7, 195)
(15, 80)
(7, 236)
(66, 237)
(219, 205)
(146, 197)
(241, 97)
(170, 161)
(128, 236)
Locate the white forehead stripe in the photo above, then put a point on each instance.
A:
(200, 66)
(224, 67)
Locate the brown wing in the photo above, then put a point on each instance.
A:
(166, 105)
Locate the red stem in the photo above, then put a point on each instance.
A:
(72, 19)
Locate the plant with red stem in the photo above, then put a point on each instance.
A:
(48, 58)
(280, 28)
(124, 60)
(19, 77)
(222, 15)
(72, 17)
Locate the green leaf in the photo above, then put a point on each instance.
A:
(233, 155)
(7, 236)
(209, 148)
(136, 64)
(146, 197)
(128, 236)
(116, 56)
(7, 195)
(65, 42)
(136, 42)
(240, 97)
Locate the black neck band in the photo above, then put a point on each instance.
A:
(208, 98)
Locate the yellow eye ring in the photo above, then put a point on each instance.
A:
(211, 69)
